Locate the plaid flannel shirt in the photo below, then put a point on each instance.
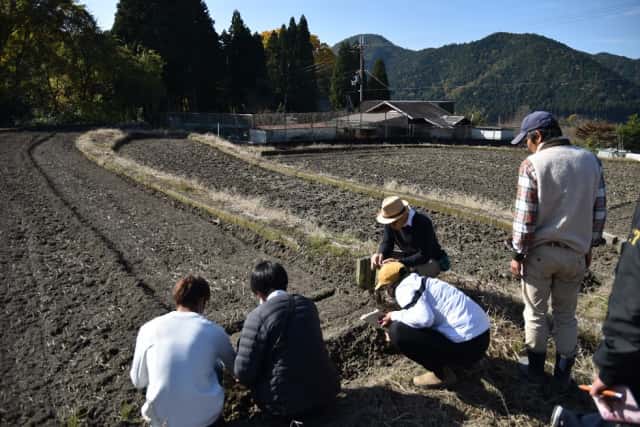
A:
(526, 209)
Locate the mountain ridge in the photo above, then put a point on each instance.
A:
(505, 72)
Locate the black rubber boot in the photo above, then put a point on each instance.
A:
(562, 371)
(532, 367)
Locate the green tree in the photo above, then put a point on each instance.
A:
(138, 89)
(303, 74)
(629, 132)
(378, 84)
(324, 60)
(184, 36)
(57, 66)
(273, 55)
(343, 93)
(316, 68)
(246, 72)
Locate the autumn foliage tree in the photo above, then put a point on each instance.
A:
(597, 134)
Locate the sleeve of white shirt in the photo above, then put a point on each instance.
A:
(225, 350)
(419, 316)
(139, 374)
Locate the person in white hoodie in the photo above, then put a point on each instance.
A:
(438, 326)
(177, 358)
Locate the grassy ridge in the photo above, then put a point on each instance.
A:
(459, 210)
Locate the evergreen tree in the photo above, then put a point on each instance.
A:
(246, 73)
(378, 83)
(343, 93)
(283, 66)
(306, 90)
(291, 66)
(273, 55)
(183, 34)
(263, 95)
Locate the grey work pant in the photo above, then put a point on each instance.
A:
(552, 272)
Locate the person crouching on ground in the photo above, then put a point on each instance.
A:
(282, 357)
(438, 325)
(176, 358)
(413, 233)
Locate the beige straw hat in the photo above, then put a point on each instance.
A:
(392, 209)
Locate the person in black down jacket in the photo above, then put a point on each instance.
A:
(618, 356)
(281, 356)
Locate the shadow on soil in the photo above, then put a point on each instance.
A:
(373, 406)
(498, 387)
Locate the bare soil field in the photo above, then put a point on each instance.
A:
(476, 249)
(87, 257)
(485, 173)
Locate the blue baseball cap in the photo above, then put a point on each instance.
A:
(533, 121)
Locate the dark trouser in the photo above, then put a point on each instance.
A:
(278, 420)
(433, 350)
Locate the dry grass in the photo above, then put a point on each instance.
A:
(469, 201)
(486, 396)
(443, 204)
(252, 213)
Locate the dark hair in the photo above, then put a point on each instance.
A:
(191, 291)
(547, 133)
(268, 276)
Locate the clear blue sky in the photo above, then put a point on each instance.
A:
(589, 25)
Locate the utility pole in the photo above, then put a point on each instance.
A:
(361, 80)
(361, 70)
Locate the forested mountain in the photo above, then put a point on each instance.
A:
(497, 75)
(627, 68)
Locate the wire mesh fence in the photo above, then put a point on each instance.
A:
(266, 128)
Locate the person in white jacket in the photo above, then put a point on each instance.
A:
(437, 326)
(177, 358)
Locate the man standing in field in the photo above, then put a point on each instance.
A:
(414, 235)
(560, 211)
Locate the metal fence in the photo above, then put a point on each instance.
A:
(230, 126)
(308, 127)
(311, 126)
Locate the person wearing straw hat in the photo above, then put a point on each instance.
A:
(438, 326)
(414, 235)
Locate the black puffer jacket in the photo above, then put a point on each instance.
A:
(283, 359)
(618, 356)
